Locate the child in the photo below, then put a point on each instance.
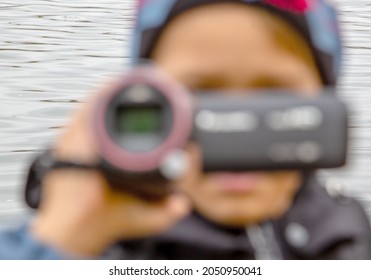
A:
(211, 45)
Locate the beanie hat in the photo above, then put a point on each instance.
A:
(315, 20)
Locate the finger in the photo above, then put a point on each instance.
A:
(148, 218)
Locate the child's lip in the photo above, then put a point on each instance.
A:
(237, 182)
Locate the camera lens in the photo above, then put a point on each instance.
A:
(144, 117)
(139, 120)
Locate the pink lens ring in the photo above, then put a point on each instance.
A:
(182, 110)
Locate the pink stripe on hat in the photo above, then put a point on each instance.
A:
(141, 3)
(296, 6)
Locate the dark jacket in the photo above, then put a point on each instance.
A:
(317, 226)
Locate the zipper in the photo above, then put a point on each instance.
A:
(263, 241)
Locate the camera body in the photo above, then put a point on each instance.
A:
(143, 125)
(271, 131)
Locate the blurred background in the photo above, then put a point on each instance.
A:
(54, 53)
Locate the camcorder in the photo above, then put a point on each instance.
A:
(143, 125)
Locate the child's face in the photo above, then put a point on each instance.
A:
(233, 46)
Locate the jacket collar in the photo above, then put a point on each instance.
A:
(318, 221)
